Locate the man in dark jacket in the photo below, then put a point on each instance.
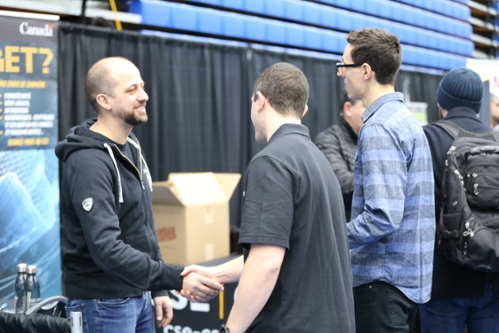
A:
(110, 253)
(460, 296)
(339, 144)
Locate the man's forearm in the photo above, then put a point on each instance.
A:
(257, 281)
(230, 271)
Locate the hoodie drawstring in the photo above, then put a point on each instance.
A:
(110, 151)
(142, 160)
(148, 174)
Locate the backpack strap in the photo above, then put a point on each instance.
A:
(454, 131)
(495, 134)
(451, 128)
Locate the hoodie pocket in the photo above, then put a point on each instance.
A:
(143, 242)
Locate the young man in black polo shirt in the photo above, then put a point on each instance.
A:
(295, 274)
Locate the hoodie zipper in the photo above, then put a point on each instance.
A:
(111, 154)
(137, 146)
(134, 166)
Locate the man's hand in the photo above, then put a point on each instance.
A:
(199, 288)
(164, 310)
(201, 270)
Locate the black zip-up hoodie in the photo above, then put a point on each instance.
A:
(108, 238)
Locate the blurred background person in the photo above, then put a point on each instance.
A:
(339, 143)
(494, 112)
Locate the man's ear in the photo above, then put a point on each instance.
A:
(442, 113)
(103, 101)
(367, 71)
(259, 101)
(305, 110)
(347, 106)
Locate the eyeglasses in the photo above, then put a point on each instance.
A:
(340, 65)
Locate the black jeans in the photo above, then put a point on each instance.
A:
(382, 308)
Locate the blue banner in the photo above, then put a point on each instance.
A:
(29, 169)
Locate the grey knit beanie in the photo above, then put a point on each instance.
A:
(460, 87)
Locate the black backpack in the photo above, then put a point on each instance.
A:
(468, 225)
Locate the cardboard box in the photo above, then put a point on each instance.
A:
(191, 213)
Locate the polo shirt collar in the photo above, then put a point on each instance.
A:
(395, 96)
(290, 129)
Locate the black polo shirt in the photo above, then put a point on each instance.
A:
(292, 199)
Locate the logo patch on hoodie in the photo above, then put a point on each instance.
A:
(87, 204)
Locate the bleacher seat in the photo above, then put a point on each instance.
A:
(344, 20)
(327, 35)
(450, 8)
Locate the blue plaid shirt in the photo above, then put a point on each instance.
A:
(392, 237)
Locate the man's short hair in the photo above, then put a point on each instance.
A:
(285, 87)
(99, 80)
(380, 49)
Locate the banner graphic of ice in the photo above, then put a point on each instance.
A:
(29, 169)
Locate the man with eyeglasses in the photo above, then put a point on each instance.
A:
(392, 230)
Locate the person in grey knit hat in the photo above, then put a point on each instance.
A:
(460, 297)
(461, 87)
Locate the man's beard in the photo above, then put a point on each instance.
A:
(132, 119)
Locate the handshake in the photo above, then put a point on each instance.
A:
(200, 283)
(203, 283)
